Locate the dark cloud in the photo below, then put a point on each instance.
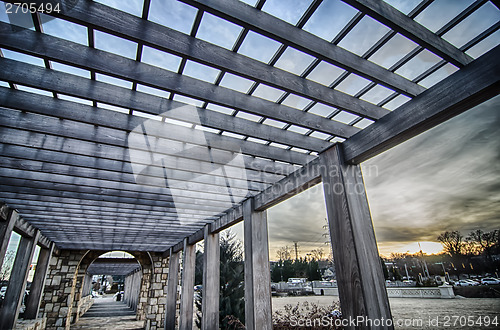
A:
(447, 178)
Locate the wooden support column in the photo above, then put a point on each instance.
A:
(360, 278)
(211, 281)
(17, 282)
(36, 291)
(258, 313)
(172, 282)
(7, 221)
(187, 288)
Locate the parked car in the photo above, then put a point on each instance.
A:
(463, 283)
(490, 281)
(474, 283)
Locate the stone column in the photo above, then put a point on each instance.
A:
(258, 313)
(360, 278)
(187, 289)
(17, 281)
(155, 311)
(38, 284)
(211, 281)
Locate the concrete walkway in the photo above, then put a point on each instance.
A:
(107, 314)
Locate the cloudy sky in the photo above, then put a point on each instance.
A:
(447, 178)
(444, 179)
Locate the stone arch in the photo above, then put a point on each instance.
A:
(147, 268)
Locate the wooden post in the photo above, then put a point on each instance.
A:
(258, 313)
(211, 281)
(36, 291)
(6, 225)
(360, 278)
(17, 282)
(187, 288)
(172, 282)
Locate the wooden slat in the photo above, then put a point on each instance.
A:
(461, 91)
(396, 20)
(272, 27)
(28, 202)
(172, 137)
(60, 82)
(302, 179)
(125, 25)
(204, 192)
(263, 174)
(107, 63)
(151, 181)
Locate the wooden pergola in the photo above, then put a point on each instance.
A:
(105, 151)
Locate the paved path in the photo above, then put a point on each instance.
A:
(107, 314)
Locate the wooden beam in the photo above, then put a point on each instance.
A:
(17, 282)
(360, 278)
(461, 91)
(272, 27)
(27, 41)
(399, 22)
(128, 26)
(6, 227)
(187, 287)
(258, 313)
(60, 82)
(167, 135)
(211, 280)
(172, 282)
(37, 285)
(293, 184)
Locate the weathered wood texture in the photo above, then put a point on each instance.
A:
(211, 281)
(258, 312)
(117, 66)
(37, 285)
(461, 91)
(17, 282)
(9, 218)
(357, 263)
(61, 82)
(160, 37)
(172, 283)
(272, 27)
(187, 287)
(396, 20)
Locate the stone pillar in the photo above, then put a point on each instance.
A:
(38, 284)
(360, 278)
(155, 311)
(258, 313)
(187, 289)
(17, 282)
(8, 219)
(58, 296)
(173, 280)
(211, 281)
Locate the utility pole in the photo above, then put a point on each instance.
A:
(296, 250)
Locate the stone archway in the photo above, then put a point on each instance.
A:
(147, 268)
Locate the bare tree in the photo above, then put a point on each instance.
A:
(317, 254)
(485, 241)
(452, 242)
(8, 262)
(284, 253)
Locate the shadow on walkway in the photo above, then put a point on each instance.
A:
(107, 314)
